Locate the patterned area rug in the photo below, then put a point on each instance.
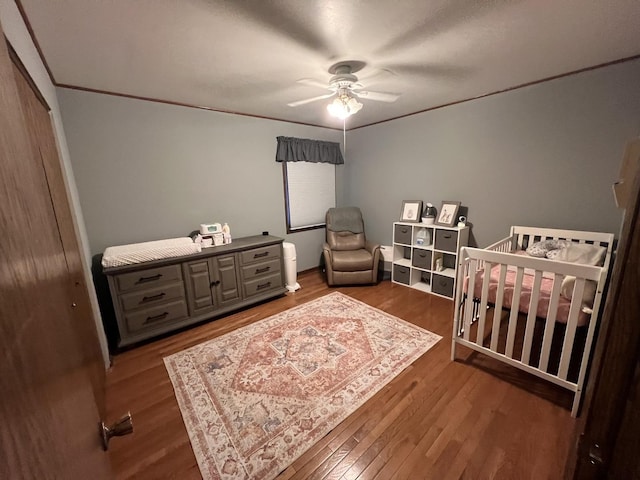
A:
(256, 399)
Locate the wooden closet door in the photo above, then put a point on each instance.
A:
(48, 413)
(40, 124)
(607, 433)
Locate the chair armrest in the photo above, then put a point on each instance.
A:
(371, 247)
(327, 252)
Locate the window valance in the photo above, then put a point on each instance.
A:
(291, 149)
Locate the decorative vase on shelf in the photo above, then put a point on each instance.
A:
(429, 214)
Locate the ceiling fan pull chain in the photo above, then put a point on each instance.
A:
(344, 136)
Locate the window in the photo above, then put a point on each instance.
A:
(310, 190)
(308, 168)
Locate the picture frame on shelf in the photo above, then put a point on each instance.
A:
(411, 211)
(448, 214)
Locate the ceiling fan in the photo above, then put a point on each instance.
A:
(345, 86)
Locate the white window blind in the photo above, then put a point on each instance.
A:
(311, 191)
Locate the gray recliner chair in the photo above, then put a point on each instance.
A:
(349, 258)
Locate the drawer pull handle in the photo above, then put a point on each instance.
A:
(260, 255)
(162, 316)
(263, 285)
(152, 298)
(447, 236)
(404, 230)
(422, 255)
(150, 279)
(262, 270)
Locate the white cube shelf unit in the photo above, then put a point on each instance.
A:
(428, 265)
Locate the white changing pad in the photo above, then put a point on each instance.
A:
(147, 251)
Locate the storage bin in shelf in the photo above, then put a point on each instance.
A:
(425, 257)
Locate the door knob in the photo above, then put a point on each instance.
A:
(123, 426)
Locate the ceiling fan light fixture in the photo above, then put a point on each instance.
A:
(344, 106)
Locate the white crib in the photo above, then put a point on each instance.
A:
(501, 279)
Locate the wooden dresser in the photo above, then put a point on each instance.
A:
(156, 297)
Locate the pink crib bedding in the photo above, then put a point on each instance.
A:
(544, 297)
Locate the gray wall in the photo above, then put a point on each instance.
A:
(544, 155)
(147, 171)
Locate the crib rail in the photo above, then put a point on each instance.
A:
(506, 245)
(476, 328)
(524, 236)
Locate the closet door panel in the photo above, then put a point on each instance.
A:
(39, 123)
(48, 410)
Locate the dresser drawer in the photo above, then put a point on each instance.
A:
(149, 318)
(262, 284)
(260, 269)
(446, 240)
(260, 254)
(152, 296)
(402, 234)
(442, 285)
(148, 278)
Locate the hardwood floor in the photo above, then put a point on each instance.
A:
(474, 418)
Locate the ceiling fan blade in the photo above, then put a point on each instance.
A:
(377, 96)
(313, 83)
(309, 100)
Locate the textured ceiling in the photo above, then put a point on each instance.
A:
(247, 56)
